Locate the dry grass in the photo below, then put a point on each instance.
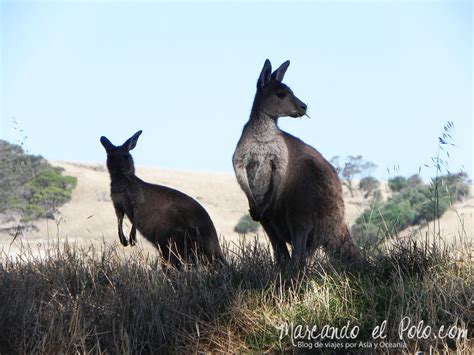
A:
(90, 295)
(73, 299)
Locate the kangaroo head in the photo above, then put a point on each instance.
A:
(274, 98)
(119, 159)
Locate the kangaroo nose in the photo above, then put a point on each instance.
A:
(304, 106)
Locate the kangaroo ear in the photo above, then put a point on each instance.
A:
(132, 141)
(107, 144)
(280, 72)
(265, 75)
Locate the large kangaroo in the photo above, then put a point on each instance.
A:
(174, 222)
(292, 190)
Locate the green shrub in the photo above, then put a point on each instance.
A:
(16, 170)
(246, 225)
(412, 203)
(390, 217)
(423, 201)
(30, 185)
(414, 180)
(456, 186)
(365, 234)
(33, 211)
(397, 183)
(51, 188)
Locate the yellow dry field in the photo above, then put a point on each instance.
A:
(89, 218)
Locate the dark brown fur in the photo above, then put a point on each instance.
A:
(174, 222)
(292, 190)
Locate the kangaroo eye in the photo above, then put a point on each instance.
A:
(281, 94)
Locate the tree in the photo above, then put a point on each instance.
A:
(352, 168)
(397, 183)
(370, 186)
(367, 168)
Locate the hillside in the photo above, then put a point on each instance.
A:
(89, 217)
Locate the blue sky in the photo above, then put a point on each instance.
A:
(381, 78)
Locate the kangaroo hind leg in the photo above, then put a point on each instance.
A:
(277, 240)
(300, 232)
(341, 246)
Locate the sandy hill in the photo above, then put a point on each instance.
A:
(90, 218)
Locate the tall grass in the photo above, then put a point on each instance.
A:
(71, 299)
(97, 300)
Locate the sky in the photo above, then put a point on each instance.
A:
(381, 78)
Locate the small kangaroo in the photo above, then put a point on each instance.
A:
(292, 190)
(174, 222)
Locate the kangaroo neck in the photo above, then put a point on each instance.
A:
(262, 123)
(120, 181)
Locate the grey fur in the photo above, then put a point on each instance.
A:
(292, 190)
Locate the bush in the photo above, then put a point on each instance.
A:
(16, 170)
(30, 185)
(415, 203)
(51, 188)
(397, 183)
(414, 180)
(390, 217)
(365, 234)
(246, 225)
(456, 186)
(423, 201)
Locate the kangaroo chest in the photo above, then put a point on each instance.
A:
(127, 197)
(261, 163)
